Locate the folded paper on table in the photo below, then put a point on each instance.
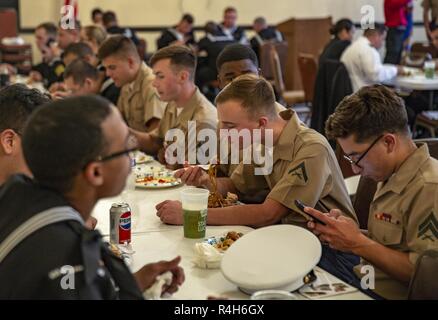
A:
(207, 256)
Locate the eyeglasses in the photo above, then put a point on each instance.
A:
(356, 163)
(129, 152)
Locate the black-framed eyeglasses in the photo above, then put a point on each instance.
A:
(117, 154)
(356, 163)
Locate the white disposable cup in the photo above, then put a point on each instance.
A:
(194, 204)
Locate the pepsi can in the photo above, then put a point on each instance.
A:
(120, 223)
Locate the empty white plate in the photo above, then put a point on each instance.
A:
(274, 257)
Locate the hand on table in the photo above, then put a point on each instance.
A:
(147, 274)
(170, 212)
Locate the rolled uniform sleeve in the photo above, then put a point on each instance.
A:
(154, 107)
(305, 179)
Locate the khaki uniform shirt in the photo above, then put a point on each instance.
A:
(138, 101)
(433, 5)
(228, 168)
(197, 109)
(404, 216)
(304, 168)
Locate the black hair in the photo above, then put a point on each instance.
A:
(70, 130)
(17, 102)
(188, 18)
(79, 49)
(236, 52)
(109, 17)
(343, 24)
(80, 70)
(95, 12)
(50, 28)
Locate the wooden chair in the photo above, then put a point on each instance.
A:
(424, 282)
(426, 122)
(290, 98)
(308, 66)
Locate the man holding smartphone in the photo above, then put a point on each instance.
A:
(372, 128)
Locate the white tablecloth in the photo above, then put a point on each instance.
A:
(153, 241)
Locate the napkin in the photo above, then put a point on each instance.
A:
(207, 256)
(154, 291)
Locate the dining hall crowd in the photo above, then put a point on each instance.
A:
(63, 150)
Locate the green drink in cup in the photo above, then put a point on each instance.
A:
(194, 205)
(429, 69)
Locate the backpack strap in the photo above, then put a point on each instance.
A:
(37, 222)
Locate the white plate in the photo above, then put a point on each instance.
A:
(275, 257)
(143, 158)
(154, 184)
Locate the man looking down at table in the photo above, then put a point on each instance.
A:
(138, 101)
(174, 69)
(304, 165)
(371, 127)
(95, 164)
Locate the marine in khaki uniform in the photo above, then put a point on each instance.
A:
(174, 69)
(372, 128)
(304, 167)
(404, 216)
(138, 102)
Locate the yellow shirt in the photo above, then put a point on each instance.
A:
(138, 101)
(404, 216)
(304, 168)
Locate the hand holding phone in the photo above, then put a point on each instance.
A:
(308, 216)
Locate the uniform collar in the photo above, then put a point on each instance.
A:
(188, 110)
(407, 171)
(143, 72)
(284, 147)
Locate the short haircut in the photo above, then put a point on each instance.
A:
(181, 57)
(342, 24)
(109, 17)
(188, 18)
(379, 28)
(48, 138)
(80, 49)
(255, 94)
(117, 45)
(96, 33)
(236, 52)
(80, 70)
(17, 102)
(230, 9)
(95, 12)
(367, 114)
(50, 28)
(260, 20)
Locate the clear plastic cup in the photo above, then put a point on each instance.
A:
(273, 295)
(429, 69)
(194, 205)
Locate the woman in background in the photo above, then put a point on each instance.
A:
(343, 33)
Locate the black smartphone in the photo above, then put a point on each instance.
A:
(308, 216)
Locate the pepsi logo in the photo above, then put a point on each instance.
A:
(125, 221)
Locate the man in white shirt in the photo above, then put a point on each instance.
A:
(363, 61)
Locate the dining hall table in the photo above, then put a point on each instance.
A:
(152, 241)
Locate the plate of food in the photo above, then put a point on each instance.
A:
(222, 243)
(157, 180)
